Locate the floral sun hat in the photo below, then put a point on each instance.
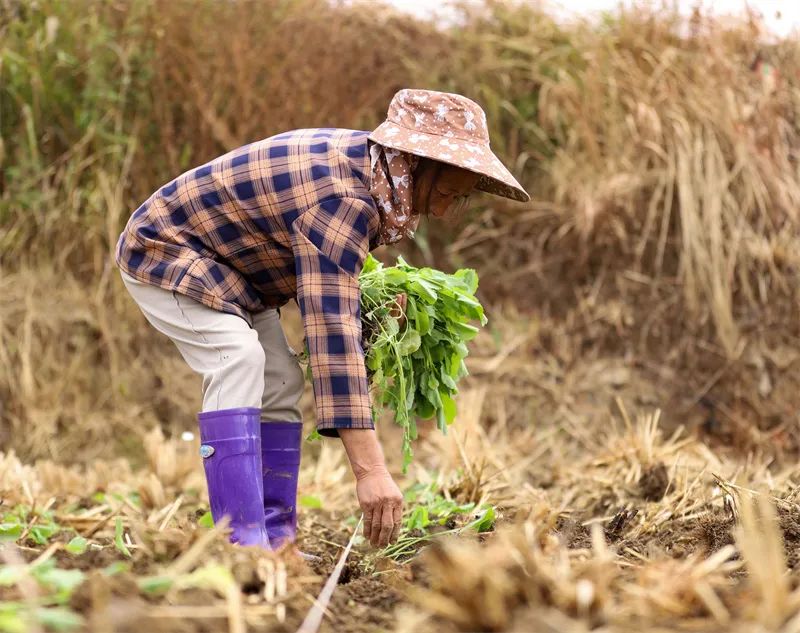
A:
(448, 128)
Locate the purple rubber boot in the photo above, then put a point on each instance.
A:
(232, 460)
(280, 461)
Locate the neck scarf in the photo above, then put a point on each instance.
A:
(391, 186)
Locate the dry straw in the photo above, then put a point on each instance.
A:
(659, 255)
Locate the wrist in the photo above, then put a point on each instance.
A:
(362, 470)
(364, 452)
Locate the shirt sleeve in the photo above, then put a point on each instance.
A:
(330, 242)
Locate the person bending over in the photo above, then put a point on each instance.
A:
(212, 255)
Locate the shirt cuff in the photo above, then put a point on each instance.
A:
(330, 428)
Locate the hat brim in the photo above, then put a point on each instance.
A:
(495, 178)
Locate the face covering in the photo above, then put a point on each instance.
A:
(391, 187)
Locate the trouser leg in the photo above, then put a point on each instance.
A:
(283, 378)
(221, 347)
(225, 351)
(281, 430)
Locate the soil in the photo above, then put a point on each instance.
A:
(364, 604)
(790, 526)
(573, 533)
(654, 482)
(110, 602)
(365, 598)
(617, 527)
(370, 590)
(714, 531)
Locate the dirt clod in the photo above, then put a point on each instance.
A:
(573, 533)
(654, 482)
(617, 526)
(715, 531)
(790, 526)
(350, 572)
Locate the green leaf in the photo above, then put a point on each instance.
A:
(411, 493)
(117, 567)
(469, 277)
(42, 533)
(448, 407)
(59, 618)
(63, 580)
(10, 531)
(422, 321)
(418, 520)
(425, 290)
(465, 331)
(395, 276)
(485, 521)
(10, 574)
(155, 584)
(447, 380)
(424, 409)
(411, 308)
(313, 436)
(392, 327)
(119, 541)
(370, 265)
(11, 618)
(311, 502)
(77, 545)
(412, 429)
(206, 521)
(409, 343)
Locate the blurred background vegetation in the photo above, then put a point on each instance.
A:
(661, 157)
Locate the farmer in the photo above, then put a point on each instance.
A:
(211, 257)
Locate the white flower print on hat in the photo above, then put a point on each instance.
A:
(449, 128)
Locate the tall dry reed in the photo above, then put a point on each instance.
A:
(661, 157)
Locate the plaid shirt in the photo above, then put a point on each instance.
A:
(289, 216)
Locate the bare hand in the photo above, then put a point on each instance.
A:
(398, 310)
(382, 504)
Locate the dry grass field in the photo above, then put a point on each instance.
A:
(625, 456)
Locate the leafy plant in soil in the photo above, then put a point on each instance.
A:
(21, 522)
(430, 515)
(50, 608)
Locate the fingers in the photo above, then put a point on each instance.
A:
(398, 310)
(383, 525)
(397, 515)
(375, 532)
(387, 525)
(368, 517)
(401, 300)
(382, 504)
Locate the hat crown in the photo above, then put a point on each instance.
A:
(440, 113)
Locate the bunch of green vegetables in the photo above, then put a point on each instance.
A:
(415, 360)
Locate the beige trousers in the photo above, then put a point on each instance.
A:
(241, 366)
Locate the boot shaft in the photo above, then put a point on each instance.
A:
(280, 457)
(231, 452)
